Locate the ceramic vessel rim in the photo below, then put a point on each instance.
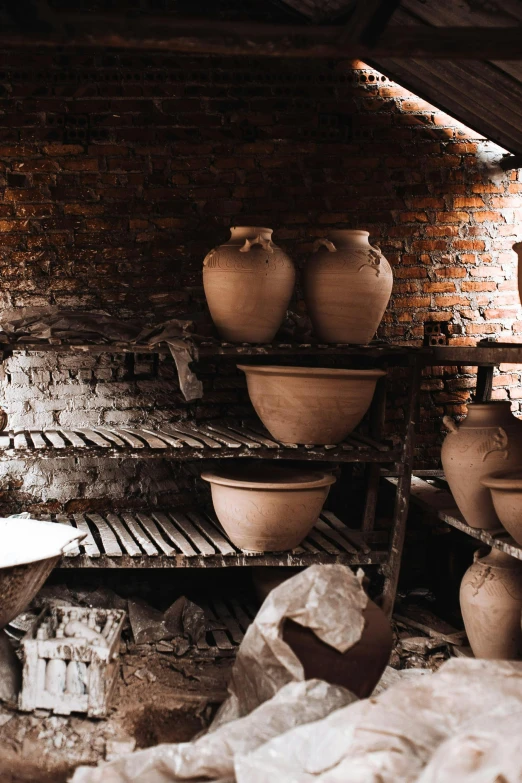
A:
(254, 229)
(322, 372)
(504, 479)
(346, 231)
(322, 480)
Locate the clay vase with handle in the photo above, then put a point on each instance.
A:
(488, 440)
(248, 283)
(491, 604)
(347, 286)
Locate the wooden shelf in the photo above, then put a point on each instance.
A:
(491, 354)
(194, 539)
(440, 503)
(186, 441)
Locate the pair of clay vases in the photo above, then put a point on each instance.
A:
(488, 441)
(249, 281)
(360, 668)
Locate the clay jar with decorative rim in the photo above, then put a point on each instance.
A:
(491, 604)
(506, 494)
(347, 286)
(248, 283)
(488, 440)
(268, 508)
(310, 405)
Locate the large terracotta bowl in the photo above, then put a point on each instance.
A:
(268, 508)
(310, 405)
(506, 494)
(360, 668)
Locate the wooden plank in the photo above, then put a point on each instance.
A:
(151, 528)
(238, 433)
(194, 535)
(259, 429)
(186, 429)
(109, 434)
(211, 532)
(224, 614)
(325, 529)
(140, 535)
(56, 440)
(261, 439)
(174, 534)
(123, 535)
(94, 437)
(368, 21)
(309, 547)
(73, 439)
(153, 441)
(323, 542)
(173, 442)
(353, 536)
(38, 441)
(242, 617)
(186, 439)
(63, 519)
(225, 440)
(5, 440)
(110, 544)
(221, 638)
(19, 440)
(126, 436)
(90, 545)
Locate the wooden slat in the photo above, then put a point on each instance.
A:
(242, 617)
(110, 544)
(323, 542)
(354, 536)
(56, 440)
(20, 441)
(258, 429)
(261, 439)
(194, 535)
(5, 440)
(322, 527)
(221, 638)
(63, 519)
(107, 433)
(173, 442)
(150, 526)
(309, 547)
(153, 441)
(123, 535)
(226, 440)
(94, 437)
(211, 532)
(130, 439)
(36, 437)
(231, 623)
(187, 439)
(236, 433)
(187, 429)
(174, 534)
(73, 439)
(91, 547)
(140, 535)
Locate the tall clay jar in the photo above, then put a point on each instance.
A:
(248, 283)
(488, 440)
(491, 604)
(518, 250)
(347, 286)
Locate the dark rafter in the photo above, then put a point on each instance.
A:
(233, 38)
(369, 20)
(510, 162)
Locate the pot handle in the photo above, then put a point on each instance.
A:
(374, 259)
(266, 244)
(322, 242)
(499, 442)
(450, 424)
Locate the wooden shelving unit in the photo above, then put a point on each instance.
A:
(184, 538)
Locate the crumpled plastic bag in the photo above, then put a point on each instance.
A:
(268, 694)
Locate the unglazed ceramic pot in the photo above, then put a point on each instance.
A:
(517, 247)
(488, 440)
(310, 405)
(491, 603)
(268, 508)
(360, 668)
(347, 286)
(248, 283)
(506, 494)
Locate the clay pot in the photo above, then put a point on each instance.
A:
(491, 603)
(517, 247)
(506, 494)
(488, 440)
(267, 508)
(248, 283)
(347, 286)
(360, 668)
(310, 405)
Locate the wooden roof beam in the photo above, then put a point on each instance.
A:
(199, 36)
(369, 20)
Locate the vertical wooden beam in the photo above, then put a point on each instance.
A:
(373, 472)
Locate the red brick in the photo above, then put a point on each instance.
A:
(452, 217)
(472, 285)
(438, 288)
(451, 272)
(467, 201)
(483, 217)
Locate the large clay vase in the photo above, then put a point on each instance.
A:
(517, 247)
(347, 286)
(248, 283)
(491, 603)
(268, 508)
(360, 668)
(488, 440)
(310, 405)
(506, 494)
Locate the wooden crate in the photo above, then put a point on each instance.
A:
(93, 672)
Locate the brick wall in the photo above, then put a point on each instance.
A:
(119, 171)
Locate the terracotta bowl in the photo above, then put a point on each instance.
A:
(268, 507)
(506, 494)
(360, 668)
(310, 405)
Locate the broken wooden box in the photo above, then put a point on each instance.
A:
(70, 660)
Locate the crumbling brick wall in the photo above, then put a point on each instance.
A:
(118, 171)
